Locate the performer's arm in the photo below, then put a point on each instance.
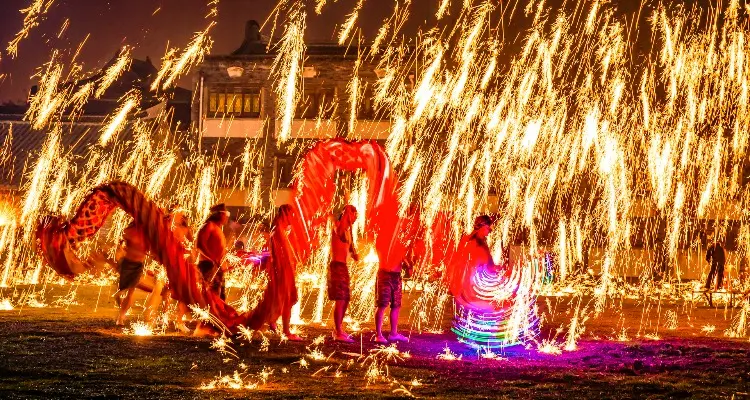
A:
(344, 233)
(352, 248)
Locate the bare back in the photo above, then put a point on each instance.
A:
(211, 244)
(134, 244)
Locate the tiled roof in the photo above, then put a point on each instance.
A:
(26, 144)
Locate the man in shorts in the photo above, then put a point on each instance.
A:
(388, 288)
(342, 245)
(134, 248)
(212, 248)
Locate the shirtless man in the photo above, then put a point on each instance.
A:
(212, 247)
(131, 267)
(388, 289)
(342, 245)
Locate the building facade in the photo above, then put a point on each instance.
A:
(235, 105)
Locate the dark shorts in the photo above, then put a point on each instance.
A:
(130, 273)
(388, 289)
(214, 278)
(338, 281)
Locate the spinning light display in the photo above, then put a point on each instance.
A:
(497, 309)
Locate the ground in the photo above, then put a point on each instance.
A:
(77, 352)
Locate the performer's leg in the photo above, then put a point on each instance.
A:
(152, 301)
(710, 278)
(396, 296)
(379, 313)
(719, 276)
(395, 336)
(338, 315)
(182, 310)
(394, 320)
(383, 299)
(126, 304)
(118, 297)
(286, 318)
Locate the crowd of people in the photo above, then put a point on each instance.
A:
(207, 250)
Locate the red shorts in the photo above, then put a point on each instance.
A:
(338, 281)
(388, 289)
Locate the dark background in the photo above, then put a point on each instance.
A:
(113, 23)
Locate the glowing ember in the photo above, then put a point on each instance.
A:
(316, 354)
(708, 329)
(236, 381)
(448, 355)
(139, 328)
(488, 354)
(302, 363)
(550, 347)
(5, 305)
(319, 340)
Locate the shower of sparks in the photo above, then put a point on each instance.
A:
(316, 355)
(205, 194)
(390, 353)
(48, 99)
(33, 16)
(122, 63)
(442, 8)
(740, 323)
(35, 300)
(222, 345)
(351, 19)
(39, 182)
(354, 88)
(319, 4)
(167, 63)
(173, 69)
(671, 321)
(487, 354)
(63, 28)
(117, 122)
(287, 68)
(566, 140)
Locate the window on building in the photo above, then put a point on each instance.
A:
(285, 171)
(367, 109)
(242, 103)
(316, 102)
(366, 106)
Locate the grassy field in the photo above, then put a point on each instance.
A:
(77, 352)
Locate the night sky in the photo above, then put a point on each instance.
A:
(113, 23)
